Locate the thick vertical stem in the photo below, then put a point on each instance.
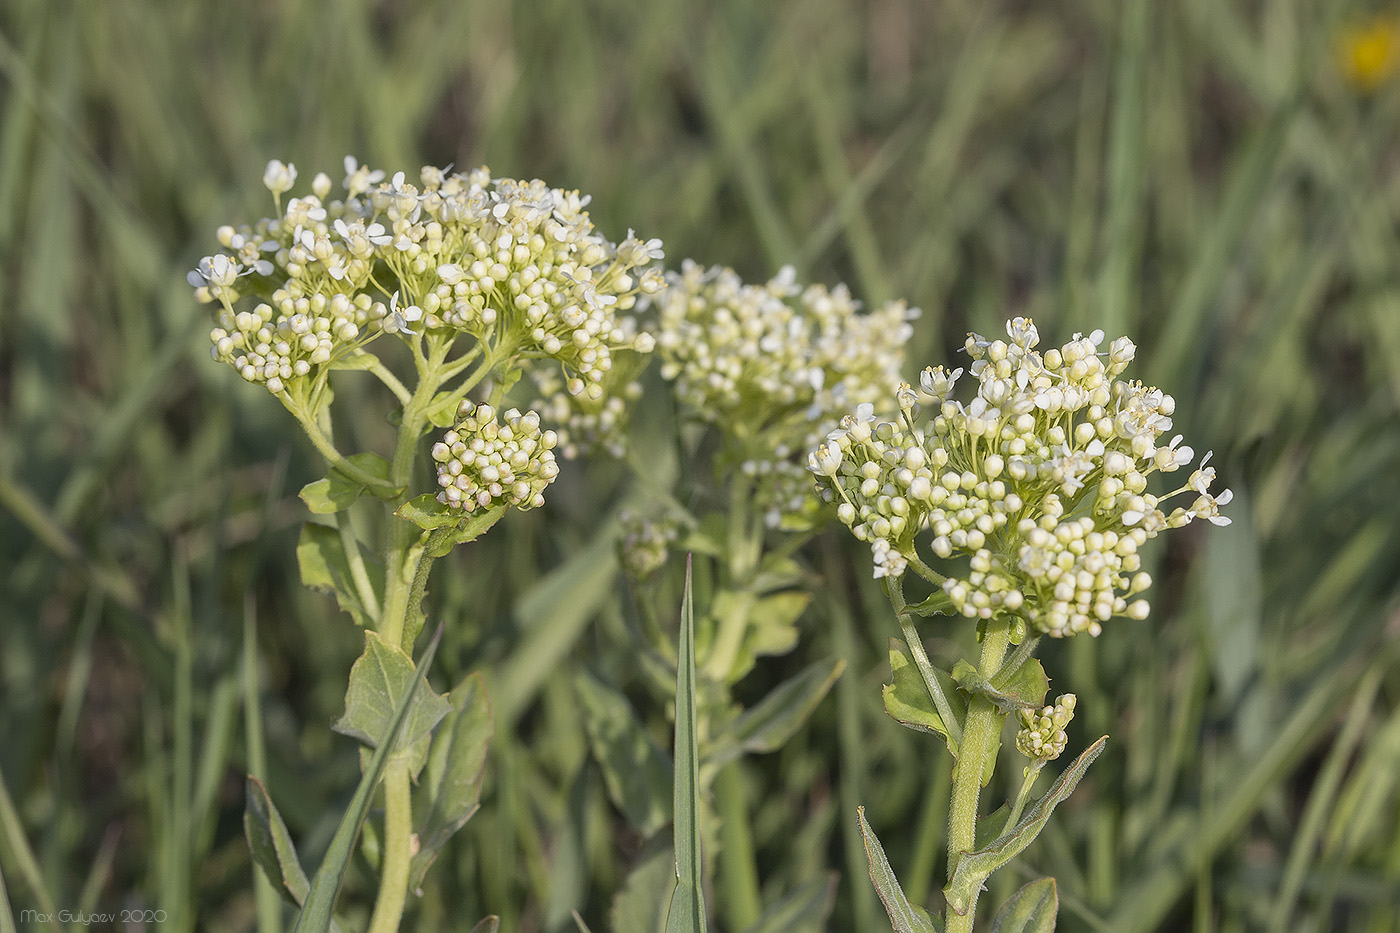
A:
(398, 847)
(738, 869)
(976, 756)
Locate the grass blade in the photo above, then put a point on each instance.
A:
(687, 913)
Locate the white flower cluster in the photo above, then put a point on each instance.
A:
(482, 463)
(1041, 737)
(1040, 480)
(516, 264)
(774, 366)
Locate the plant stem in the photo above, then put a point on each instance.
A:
(894, 588)
(335, 458)
(398, 847)
(976, 757)
(738, 869)
(1027, 783)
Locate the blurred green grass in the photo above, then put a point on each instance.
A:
(1197, 175)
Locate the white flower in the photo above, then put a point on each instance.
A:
(279, 177)
(401, 318)
(825, 460)
(358, 178)
(220, 271)
(1171, 457)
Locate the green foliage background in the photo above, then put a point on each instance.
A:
(1195, 174)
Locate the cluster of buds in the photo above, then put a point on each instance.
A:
(1040, 481)
(482, 463)
(774, 366)
(1041, 737)
(645, 543)
(516, 264)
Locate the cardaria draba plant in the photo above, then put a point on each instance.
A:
(480, 280)
(774, 367)
(1040, 480)
(1026, 507)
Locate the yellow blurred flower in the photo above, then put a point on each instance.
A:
(1369, 53)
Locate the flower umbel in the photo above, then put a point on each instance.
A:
(482, 463)
(1041, 737)
(1039, 481)
(516, 265)
(774, 366)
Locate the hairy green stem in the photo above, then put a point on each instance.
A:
(1032, 772)
(976, 757)
(398, 847)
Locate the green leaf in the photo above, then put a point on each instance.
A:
(768, 724)
(1031, 909)
(451, 781)
(442, 410)
(638, 775)
(907, 699)
(772, 629)
(974, 867)
(937, 603)
(337, 491)
(447, 526)
(1023, 688)
(380, 682)
(687, 911)
(324, 567)
(906, 917)
(315, 916)
(428, 513)
(641, 905)
(778, 572)
(805, 909)
(271, 844)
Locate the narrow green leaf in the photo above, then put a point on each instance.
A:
(638, 775)
(315, 916)
(974, 867)
(906, 917)
(1031, 909)
(488, 925)
(337, 491)
(907, 699)
(324, 567)
(271, 844)
(768, 724)
(687, 912)
(804, 909)
(641, 905)
(451, 780)
(382, 680)
(1023, 688)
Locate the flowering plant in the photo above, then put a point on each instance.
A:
(480, 280)
(1033, 500)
